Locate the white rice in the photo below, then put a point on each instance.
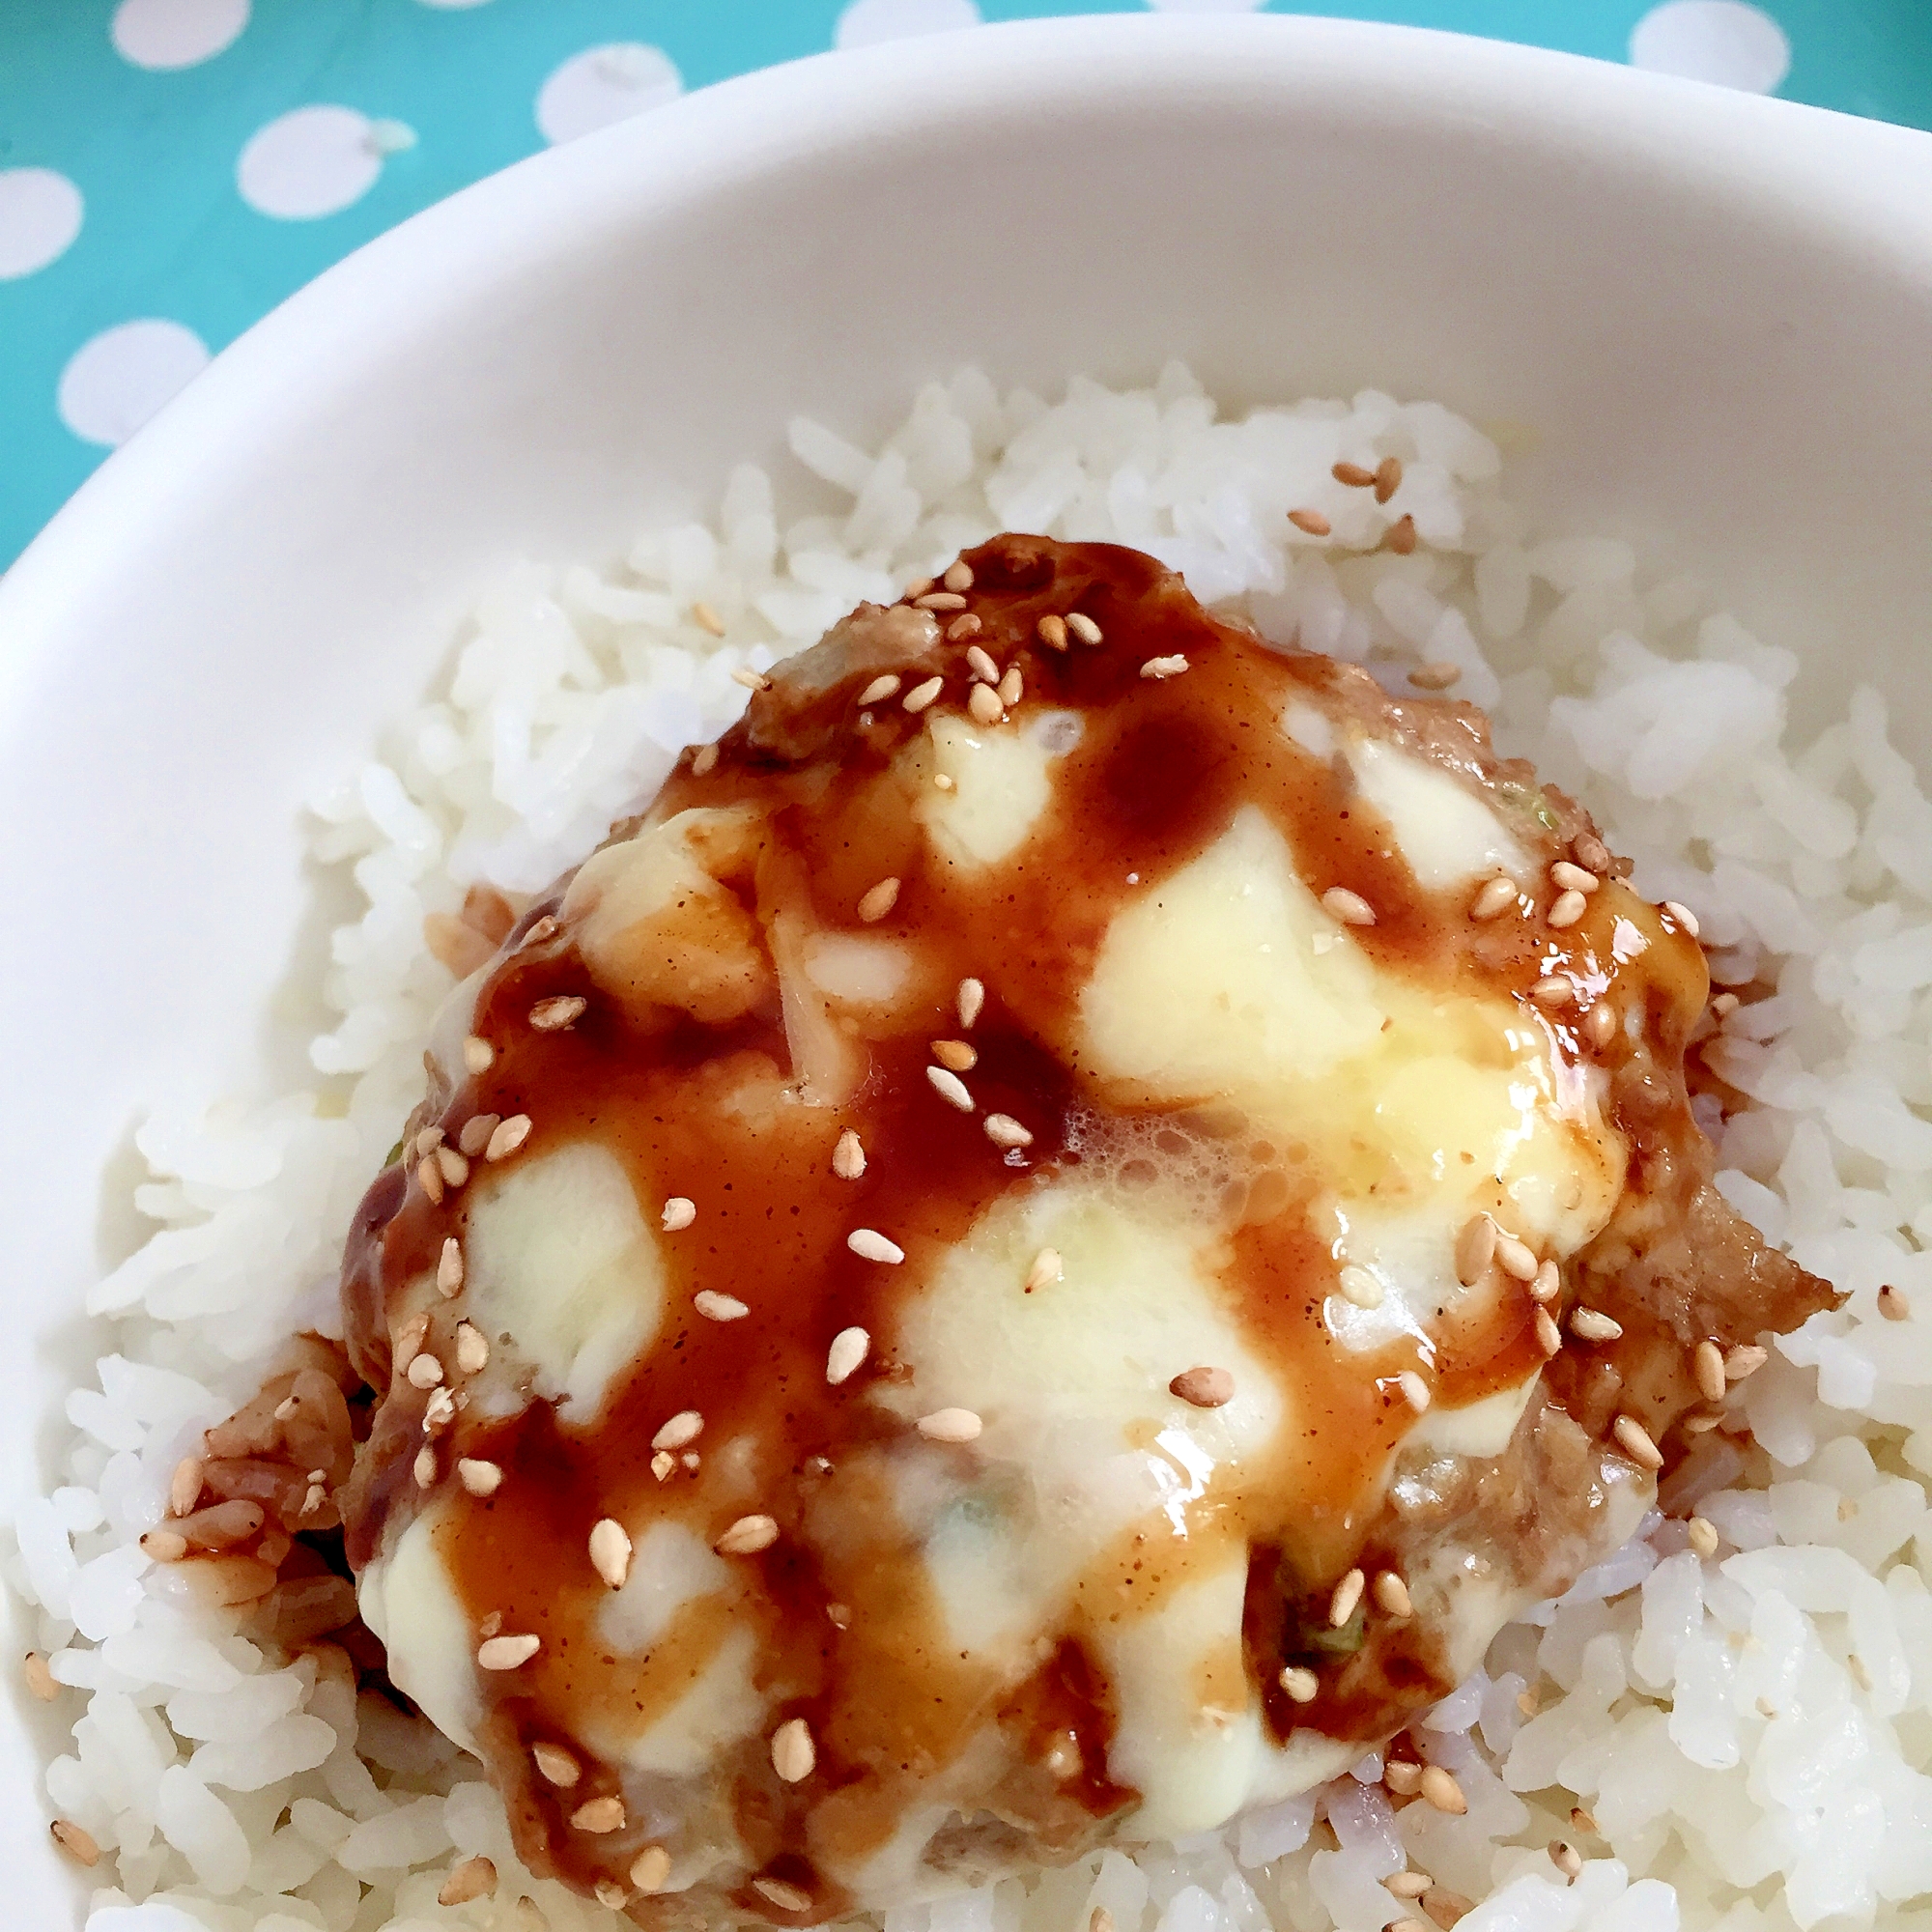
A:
(1750, 1733)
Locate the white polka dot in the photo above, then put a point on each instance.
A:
(866, 22)
(39, 216)
(112, 385)
(603, 85)
(1722, 40)
(315, 160)
(176, 33)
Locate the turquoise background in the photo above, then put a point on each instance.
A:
(167, 233)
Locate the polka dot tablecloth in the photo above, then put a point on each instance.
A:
(171, 169)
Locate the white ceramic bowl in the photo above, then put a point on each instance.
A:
(1714, 314)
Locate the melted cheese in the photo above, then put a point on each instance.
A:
(408, 1599)
(1002, 780)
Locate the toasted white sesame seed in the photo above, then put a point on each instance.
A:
(848, 1349)
(1046, 1270)
(424, 1372)
(1494, 898)
(1299, 1683)
(1313, 522)
(1893, 1303)
(1083, 627)
(1745, 1359)
(475, 1133)
(1388, 478)
(1548, 1282)
(1099, 1919)
(958, 576)
(1553, 991)
(1438, 675)
(686, 1426)
(472, 1349)
(1392, 1593)
(452, 1165)
(1011, 687)
(474, 1877)
(1707, 1365)
(955, 1055)
(508, 1652)
(949, 1088)
(1601, 1023)
(556, 1765)
(600, 1815)
(439, 1412)
(982, 704)
(1051, 631)
(427, 1142)
(1572, 878)
(164, 1545)
(749, 1535)
(939, 600)
(679, 1211)
(1414, 1390)
(752, 680)
(1592, 1325)
(608, 1893)
(1475, 1249)
(1633, 1440)
(479, 1478)
(703, 759)
(848, 1156)
(786, 1897)
(1002, 1130)
(478, 1055)
(1549, 1337)
(509, 1136)
(794, 1755)
(1684, 917)
(651, 1868)
(429, 1178)
(1703, 1535)
(1567, 1859)
(923, 695)
(662, 1464)
(1568, 909)
(1516, 1258)
(880, 689)
(1439, 1789)
(1350, 908)
(1359, 1286)
(1723, 1004)
(76, 1842)
(950, 1425)
(538, 931)
(553, 1015)
(706, 618)
(611, 1551)
(971, 1001)
(1401, 1773)
(980, 661)
(879, 901)
(1347, 1597)
(1204, 1387)
(1160, 670)
(916, 587)
(185, 1486)
(716, 1307)
(868, 1244)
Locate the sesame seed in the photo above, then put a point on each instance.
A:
(1574, 878)
(1441, 1790)
(880, 689)
(966, 625)
(794, 1755)
(1707, 1365)
(1517, 1257)
(923, 695)
(1002, 1130)
(509, 1136)
(1723, 1004)
(474, 1877)
(1414, 1390)
(1011, 687)
(539, 930)
(553, 1015)
(958, 576)
(879, 901)
(77, 1842)
(600, 1815)
(479, 1478)
(981, 664)
(429, 1178)
(1475, 1249)
(1311, 520)
(164, 1545)
(1445, 1907)
(1046, 1270)
(1547, 1285)
(848, 1156)
(1549, 1337)
(1684, 917)
(868, 1244)
(949, 1088)
(185, 1486)
(786, 1897)
(1600, 1023)
(942, 782)
(838, 1615)
(1204, 1387)
(477, 1054)
(939, 600)
(424, 1372)
(703, 761)
(678, 1212)
(1359, 1286)
(1592, 1325)
(1388, 478)
(1568, 908)
(950, 1425)
(1406, 1884)
(1159, 668)
(1099, 1919)
(428, 1141)
(453, 1166)
(1567, 1859)
(1400, 536)
(1353, 475)
(918, 586)
(686, 1426)
(1584, 1821)
(1633, 1440)
(475, 1134)
(956, 1055)
(983, 704)
(972, 1001)
(1051, 631)
(1083, 627)
(1350, 908)
(556, 1765)
(472, 1349)
(849, 1349)
(1745, 1359)
(1893, 1303)
(1528, 1702)
(1700, 1425)
(1497, 897)
(1552, 992)
(651, 1868)
(662, 1464)
(508, 1652)
(491, 1624)
(608, 1893)
(706, 618)
(1438, 675)
(41, 1679)
(749, 1535)
(752, 680)
(1299, 1683)
(1703, 1535)
(611, 1551)
(1392, 1593)
(1347, 1598)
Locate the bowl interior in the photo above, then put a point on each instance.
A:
(1705, 317)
